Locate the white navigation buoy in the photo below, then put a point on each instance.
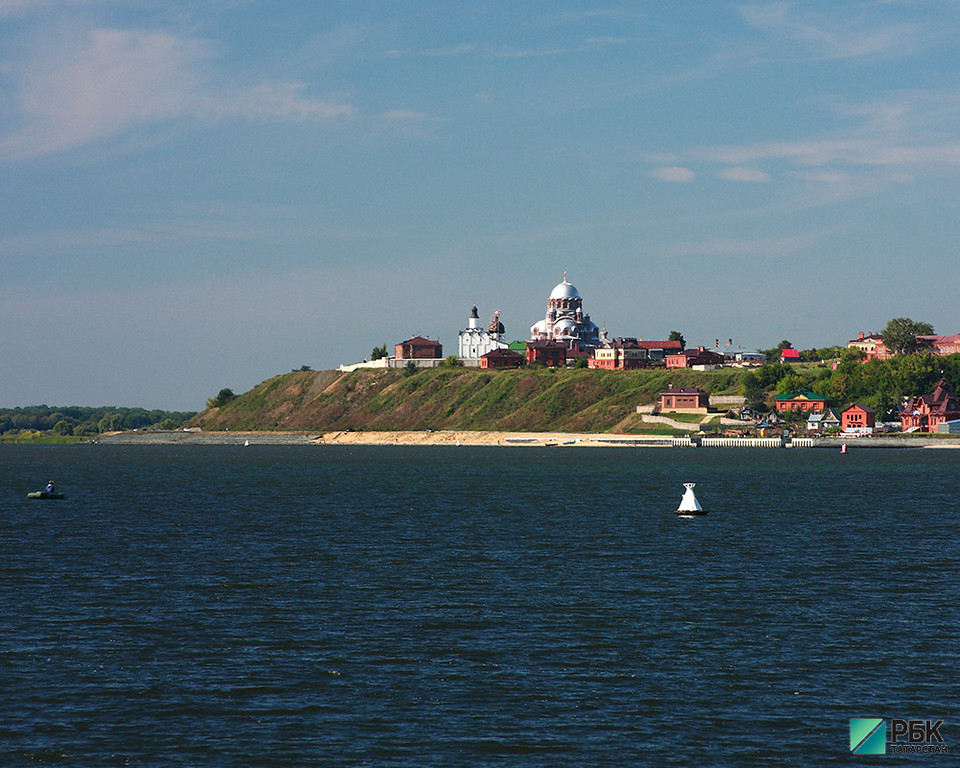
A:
(843, 448)
(246, 442)
(689, 504)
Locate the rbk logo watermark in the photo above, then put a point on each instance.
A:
(868, 736)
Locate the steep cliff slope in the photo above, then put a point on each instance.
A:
(455, 398)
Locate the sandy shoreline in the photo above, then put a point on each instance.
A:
(338, 437)
(471, 438)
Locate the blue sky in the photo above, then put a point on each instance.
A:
(203, 195)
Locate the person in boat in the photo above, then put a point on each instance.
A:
(49, 488)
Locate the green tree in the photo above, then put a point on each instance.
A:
(915, 374)
(677, 336)
(378, 353)
(773, 355)
(770, 374)
(789, 384)
(753, 394)
(110, 422)
(62, 427)
(878, 388)
(452, 361)
(223, 397)
(410, 368)
(900, 335)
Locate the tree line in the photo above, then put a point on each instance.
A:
(879, 384)
(85, 420)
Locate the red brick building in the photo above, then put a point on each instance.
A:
(502, 358)
(802, 401)
(858, 418)
(871, 344)
(688, 358)
(685, 399)
(924, 413)
(940, 345)
(551, 353)
(418, 348)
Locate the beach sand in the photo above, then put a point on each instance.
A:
(474, 438)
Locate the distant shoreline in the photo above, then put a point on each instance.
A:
(473, 438)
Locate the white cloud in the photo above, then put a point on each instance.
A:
(281, 100)
(111, 80)
(771, 247)
(749, 175)
(443, 52)
(837, 36)
(851, 151)
(82, 88)
(403, 114)
(826, 177)
(674, 173)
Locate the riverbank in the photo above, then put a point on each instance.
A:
(485, 438)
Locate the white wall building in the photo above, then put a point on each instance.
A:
(476, 341)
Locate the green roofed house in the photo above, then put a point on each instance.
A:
(802, 401)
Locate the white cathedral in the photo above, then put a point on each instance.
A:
(565, 321)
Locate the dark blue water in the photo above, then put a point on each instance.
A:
(395, 606)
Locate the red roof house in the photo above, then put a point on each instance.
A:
(418, 348)
(871, 344)
(789, 355)
(924, 413)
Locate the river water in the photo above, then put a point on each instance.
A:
(442, 606)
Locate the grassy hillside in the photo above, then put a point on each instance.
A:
(575, 400)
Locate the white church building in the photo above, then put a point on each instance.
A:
(565, 321)
(476, 341)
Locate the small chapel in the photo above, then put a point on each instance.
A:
(476, 341)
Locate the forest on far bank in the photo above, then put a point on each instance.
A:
(85, 421)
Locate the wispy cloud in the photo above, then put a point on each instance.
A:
(674, 173)
(609, 13)
(403, 114)
(280, 100)
(849, 152)
(96, 85)
(749, 175)
(507, 52)
(840, 35)
(773, 247)
(463, 49)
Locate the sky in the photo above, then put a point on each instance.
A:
(196, 196)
